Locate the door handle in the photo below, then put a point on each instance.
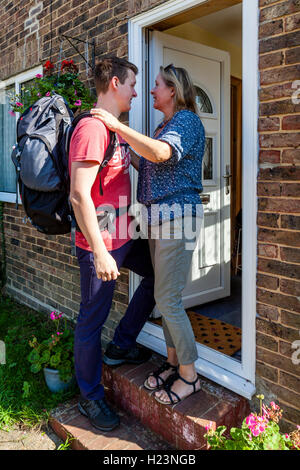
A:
(205, 198)
(227, 177)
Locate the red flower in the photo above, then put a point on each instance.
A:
(69, 64)
(48, 65)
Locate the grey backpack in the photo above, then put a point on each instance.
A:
(40, 156)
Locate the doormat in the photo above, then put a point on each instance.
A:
(213, 333)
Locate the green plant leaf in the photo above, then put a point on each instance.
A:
(35, 368)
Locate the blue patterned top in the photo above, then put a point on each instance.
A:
(177, 181)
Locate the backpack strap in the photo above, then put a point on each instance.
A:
(112, 146)
(113, 143)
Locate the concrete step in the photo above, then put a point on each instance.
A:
(147, 424)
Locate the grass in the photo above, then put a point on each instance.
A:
(24, 397)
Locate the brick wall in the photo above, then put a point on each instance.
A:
(41, 271)
(278, 286)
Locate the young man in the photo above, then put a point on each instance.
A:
(102, 251)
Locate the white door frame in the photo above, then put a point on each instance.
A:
(232, 374)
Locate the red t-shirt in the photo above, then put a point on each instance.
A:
(89, 142)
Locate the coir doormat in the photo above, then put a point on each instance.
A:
(213, 333)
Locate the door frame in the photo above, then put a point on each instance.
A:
(224, 370)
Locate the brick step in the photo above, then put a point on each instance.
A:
(67, 421)
(144, 421)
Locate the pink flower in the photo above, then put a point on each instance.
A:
(209, 426)
(75, 92)
(19, 104)
(286, 436)
(38, 75)
(251, 420)
(48, 93)
(274, 406)
(38, 94)
(52, 316)
(77, 103)
(11, 113)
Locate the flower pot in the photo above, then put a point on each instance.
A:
(53, 381)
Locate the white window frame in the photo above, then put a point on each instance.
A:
(17, 80)
(232, 374)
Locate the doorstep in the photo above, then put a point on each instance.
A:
(147, 424)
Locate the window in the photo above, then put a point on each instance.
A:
(7, 140)
(203, 102)
(8, 124)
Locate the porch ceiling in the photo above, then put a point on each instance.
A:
(211, 6)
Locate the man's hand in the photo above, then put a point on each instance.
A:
(106, 267)
(107, 118)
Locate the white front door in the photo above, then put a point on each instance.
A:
(209, 276)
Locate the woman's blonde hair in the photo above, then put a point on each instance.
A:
(180, 80)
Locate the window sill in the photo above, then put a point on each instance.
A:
(9, 197)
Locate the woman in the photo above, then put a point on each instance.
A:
(170, 170)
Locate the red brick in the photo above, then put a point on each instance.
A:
(280, 268)
(269, 124)
(268, 189)
(292, 56)
(290, 319)
(270, 28)
(267, 251)
(280, 9)
(282, 362)
(279, 107)
(267, 311)
(283, 301)
(290, 287)
(291, 123)
(269, 156)
(279, 205)
(280, 74)
(291, 156)
(268, 282)
(292, 22)
(290, 190)
(267, 342)
(268, 220)
(280, 173)
(290, 255)
(283, 237)
(291, 222)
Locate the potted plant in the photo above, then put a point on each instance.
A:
(54, 355)
(259, 431)
(65, 83)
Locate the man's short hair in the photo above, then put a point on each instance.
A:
(111, 67)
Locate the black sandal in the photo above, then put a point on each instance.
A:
(164, 367)
(170, 392)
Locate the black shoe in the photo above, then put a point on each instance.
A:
(99, 413)
(115, 356)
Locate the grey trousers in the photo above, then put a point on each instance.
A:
(171, 257)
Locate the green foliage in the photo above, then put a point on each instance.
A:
(55, 352)
(66, 83)
(258, 432)
(24, 397)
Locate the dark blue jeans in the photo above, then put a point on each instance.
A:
(96, 300)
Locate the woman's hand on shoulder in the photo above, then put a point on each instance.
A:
(107, 118)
